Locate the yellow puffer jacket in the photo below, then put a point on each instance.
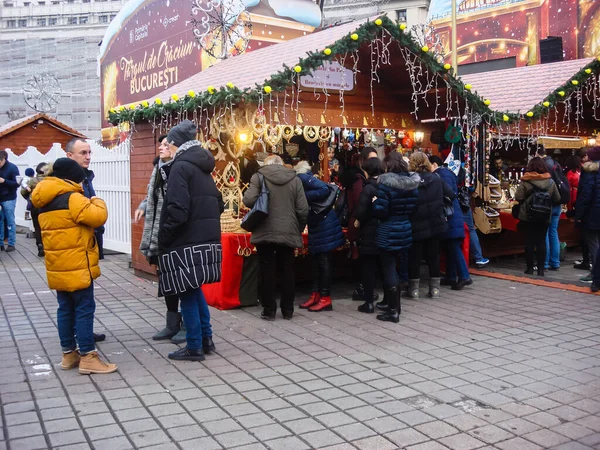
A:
(67, 220)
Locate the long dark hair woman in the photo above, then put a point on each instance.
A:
(534, 183)
(397, 193)
(366, 225)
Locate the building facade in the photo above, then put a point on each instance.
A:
(411, 12)
(59, 38)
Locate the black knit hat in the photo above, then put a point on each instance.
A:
(594, 153)
(182, 133)
(68, 169)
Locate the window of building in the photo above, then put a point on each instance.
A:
(53, 21)
(72, 21)
(11, 24)
(83, 20)
(41, 3)
(56, 3)
(112, 16)
(26, 3)
(22, 23)
(70, 1)
(401, 15)
(103, 19)
(41, 22)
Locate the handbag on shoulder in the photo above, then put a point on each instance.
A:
(260, 210)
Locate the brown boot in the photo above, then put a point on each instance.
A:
(91, 363)
(70, 360)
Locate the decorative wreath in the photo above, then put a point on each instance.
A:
(272, 135)
(231, 175)
(298, 130)
(325, 133)
(287, 132)
(311, 134)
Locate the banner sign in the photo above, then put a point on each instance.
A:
(331, 76)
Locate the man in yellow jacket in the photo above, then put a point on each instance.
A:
(67, 220)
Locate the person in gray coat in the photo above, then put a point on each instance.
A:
(278, 234)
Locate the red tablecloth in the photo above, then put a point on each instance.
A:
(510, 223)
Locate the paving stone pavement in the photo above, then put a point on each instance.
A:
(499, 365)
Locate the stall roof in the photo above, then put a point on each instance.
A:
(520, 89)
(251, 68)
(19, 123)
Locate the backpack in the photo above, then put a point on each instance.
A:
(540, 206)
(341, 208)
(559, 178)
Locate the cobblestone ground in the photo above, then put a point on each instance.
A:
(498, 365)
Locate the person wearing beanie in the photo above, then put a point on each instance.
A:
(587, 211)
(189, 237)
(67, 220)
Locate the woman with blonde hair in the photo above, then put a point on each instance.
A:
(428, 224)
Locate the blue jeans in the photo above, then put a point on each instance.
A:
(8, 214)
(455, 261)
(475, 248)
(196, 317)
(76, 315)
(552, 242)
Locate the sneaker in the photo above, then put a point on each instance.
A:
(482, 262)
(99, 337)
(587, 279)
(10, 248)
(91, 363)
(581, 265)
(186, 354)
(70, 360)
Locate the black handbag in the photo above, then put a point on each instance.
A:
(260, 210)
(448, 208)
(323, 206)
(464, 199)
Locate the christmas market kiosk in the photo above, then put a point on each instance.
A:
(370, 82)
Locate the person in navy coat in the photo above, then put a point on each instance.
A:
(324, 235)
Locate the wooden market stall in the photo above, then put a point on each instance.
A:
(372, 79)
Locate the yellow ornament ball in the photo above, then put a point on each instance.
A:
(354, 37)
(327, 51)
(487, 102)
(561, 93)
(158, 101)
(297, 69)
(529, 114)
(403, 27)
(145, 104)
(131, 106)
(121, 108)
(425, 48)
(588, 71)
(191, 93)
(505, 118)
(113, 110)
(546, 104)
(211, 90)
(574, 82)
(468, 87)
(268, 89)
(378, 22)
(175, 97)
(447, 66)
(230, 85)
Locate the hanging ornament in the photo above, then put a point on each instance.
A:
(468, 87)
(365, 123)
(403, 26)
(298, 130)
(574, 82)
(385, 122)
(287, 132)
(323, 121)
(256, 121)
(407, 142)
(324, 133)
(378, 22)
(561, 93)
(447, 66)
(300, 120)
(327, 51)
(588, 71)
(354, 37)
(311, 134)
(546, 104)
(505, 118)
(273, 134)
(298, 69)
(529, 114)
(275, 117)
(344, 120)
(425, 48)
(268, 89)
(487, 102)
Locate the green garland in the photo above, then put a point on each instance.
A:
(367, 32)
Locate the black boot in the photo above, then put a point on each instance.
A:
(383, 304)
(41, 250)
(358, 293)
(208, 345)
(393, 312)
(366, 307)
(186, 354)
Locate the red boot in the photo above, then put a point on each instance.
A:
(315, 297)
(324, 304)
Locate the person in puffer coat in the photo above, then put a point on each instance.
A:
(457, 271)
(67, 221)
(428, 224)
(324, 235)
(397, 192)
(189, 237)
(587, 206)
(366, 225)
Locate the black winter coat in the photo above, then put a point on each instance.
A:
(189, 238)
(587, 207)
(363, 212)
(396, 201)
(429, 219)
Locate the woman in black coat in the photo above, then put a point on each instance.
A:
(366, 225)
(428, 224)
(189, 238)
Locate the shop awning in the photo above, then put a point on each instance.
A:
(520, 89)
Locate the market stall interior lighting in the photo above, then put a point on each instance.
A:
(419, 136)
(243, 137)
(591, 142)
